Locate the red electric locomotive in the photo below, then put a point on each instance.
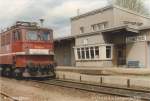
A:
(26, 50)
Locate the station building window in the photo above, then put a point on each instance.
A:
(94, 27)
(81, 30)
(99, 26)
(105, 25)
(97, 52)
(79, 53)
(83, 53)
(94, 52)
(87, 53)
(108, 51)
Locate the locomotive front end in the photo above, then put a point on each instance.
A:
(35, 56)
(39, 50)
(27, 50)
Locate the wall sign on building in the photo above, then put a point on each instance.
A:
(132, 39)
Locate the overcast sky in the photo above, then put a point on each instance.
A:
(56, 13)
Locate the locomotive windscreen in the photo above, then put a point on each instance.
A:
(38, 36)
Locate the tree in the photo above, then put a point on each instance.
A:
(135, 5)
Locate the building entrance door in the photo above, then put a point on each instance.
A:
(67, 56)
(121, 54)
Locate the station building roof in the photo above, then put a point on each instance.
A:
(108, 30)
(145, 28)
(96, 11)
(64, 38)
(112, 29)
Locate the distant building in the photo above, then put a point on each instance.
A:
(111, 36)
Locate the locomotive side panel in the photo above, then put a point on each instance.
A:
(6, 51)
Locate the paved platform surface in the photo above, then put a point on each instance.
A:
(106, 70)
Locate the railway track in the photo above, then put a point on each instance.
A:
(116, 91)
(6, 97)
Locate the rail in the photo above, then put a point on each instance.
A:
(123, 92)
(6, 96)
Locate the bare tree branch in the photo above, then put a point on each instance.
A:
(135, 5)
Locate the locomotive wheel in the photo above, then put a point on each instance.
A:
(1, 71)
(7, 72)
(17, 74)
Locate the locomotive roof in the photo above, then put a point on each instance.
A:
(22, 24)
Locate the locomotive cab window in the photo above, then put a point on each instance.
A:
(32, 35)
(38, 36)
(3, 40)
(45, 36)
(16, 35)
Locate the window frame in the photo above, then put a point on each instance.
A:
(110, 54)
(83, 53)
(7, 38)
(3, 39)
(18, 35)
(97, 50)
(78, 50)
(94, 27)
(87, 53)
(99, 26)
(93, 51)
(82, 30)
(40, 35)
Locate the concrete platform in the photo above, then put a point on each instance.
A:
(110, 80)
(106, 70)
(123, 77)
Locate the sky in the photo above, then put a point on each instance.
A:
(57, 13)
